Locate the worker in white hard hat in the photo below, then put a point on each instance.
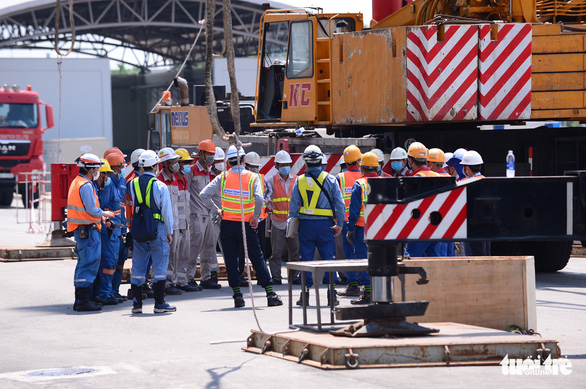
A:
(242, 200)
(202, 226)
(472, 166)
(278, 197)
(317, 201)
(150, 249)
(381, 162)
(177, 282)
(399, 162)
(454, 163)
(84, 220)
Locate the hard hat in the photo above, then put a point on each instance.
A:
(472, 158)
(167, 154)
(324, 159)
(283, 157)
(436, 155)
(105, 168)
(459, 153)
(183, 154)
(398, 153)
(114, 158)
(116, 150)
(448, 157)
(352, 154)
(417, 150)
(252, 159)
(233, 152)
(88, 161)
(220, 155)
(135, 154)
(312, 154)
(148, 158)
(207, 145)
(369, 159)
(379, 154)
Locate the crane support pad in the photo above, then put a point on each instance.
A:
(455, 344)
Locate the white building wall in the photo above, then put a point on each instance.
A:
(245, 74)
(86, 98)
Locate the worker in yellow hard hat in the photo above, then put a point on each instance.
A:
(355, 235)
(352, 157)
(110, 200)
(436, 160)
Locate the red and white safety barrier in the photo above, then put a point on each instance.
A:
(442, 216)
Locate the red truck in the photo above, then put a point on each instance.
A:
(21, 143)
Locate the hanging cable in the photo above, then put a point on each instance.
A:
(182, 65)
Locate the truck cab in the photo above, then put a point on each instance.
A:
(21, 144)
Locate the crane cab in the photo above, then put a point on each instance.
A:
(293, 77)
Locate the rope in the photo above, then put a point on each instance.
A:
(59, 62)
(238, 145)
(71, 23)
(182, 65)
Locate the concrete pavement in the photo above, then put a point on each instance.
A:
(39, 330)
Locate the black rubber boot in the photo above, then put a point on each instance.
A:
(83, 303)
(136, 299)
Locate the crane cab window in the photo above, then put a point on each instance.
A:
(272, 72)
(300, 54)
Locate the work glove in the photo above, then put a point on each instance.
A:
(350, 237)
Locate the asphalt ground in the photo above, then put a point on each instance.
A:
(199, 346)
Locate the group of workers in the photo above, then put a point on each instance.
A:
(174, 209)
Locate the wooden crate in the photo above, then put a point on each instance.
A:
(493, 292)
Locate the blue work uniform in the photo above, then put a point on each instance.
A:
(122, 249)
(109, 201)
(88, 251)
(157, 249)
(314, 227)
(360, 249)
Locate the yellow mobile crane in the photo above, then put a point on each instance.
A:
(488, 75)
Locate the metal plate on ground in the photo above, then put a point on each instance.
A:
(455, 344)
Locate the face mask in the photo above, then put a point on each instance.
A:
(254, 169)
(107, 182)
(186, 169)
(379, 169)
(96, 175)
(285, 170)
(220, 166)
(397, 166)
(175, 167)
(209, 160)
(122, 172)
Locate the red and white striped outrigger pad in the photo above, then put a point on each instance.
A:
(441, 216)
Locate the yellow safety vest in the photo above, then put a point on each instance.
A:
(307, 185)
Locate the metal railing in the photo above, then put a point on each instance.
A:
(36, 199)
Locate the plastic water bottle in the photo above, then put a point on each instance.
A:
(510, 164)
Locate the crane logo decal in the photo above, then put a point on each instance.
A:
(299, 94)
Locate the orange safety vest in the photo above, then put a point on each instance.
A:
(442, 172)
(263, 214)
(230, 193)
(76, 213)
(424, 172)
(347, 180)
(281, 198)
(128, 201)
(364, 185)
